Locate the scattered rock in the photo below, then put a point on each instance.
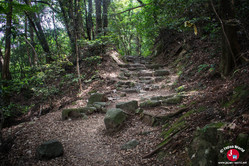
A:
(96, 97)
(161, 73)
(75, 113)
(100, 106)
(172, 100)
(49, 150)
(128, 106)
(130, 145)
(150, 103)
(114, 119)
(148, 119)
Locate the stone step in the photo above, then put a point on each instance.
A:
(136, 68)
(150, 104)
(125, 83)
(159, 79)
(136, 65)
(157, 117)
(153, 120)
(145, 78)
(145, 73)
(161, 72)
(161, 97)
(154, 66)
(124, 65)
(146, 81)
(130, 90)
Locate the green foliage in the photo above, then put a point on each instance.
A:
(14, 110)
(93, 60)
(202, 67)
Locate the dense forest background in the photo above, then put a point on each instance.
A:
(43, 42)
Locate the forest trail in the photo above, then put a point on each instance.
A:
(85, 141)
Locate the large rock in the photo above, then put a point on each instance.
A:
(130, 145)
(161, 73)
(172, 100)
(128, 106)
(204, 149)
(150, 103)
(161, 97)
(114, 119)
(76, 113)
(49, 150)
(96, 97)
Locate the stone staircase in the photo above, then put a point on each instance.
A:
(141, 89)
(146, 83)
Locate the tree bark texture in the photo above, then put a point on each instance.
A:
(230, 45)
(6, 72)
(98, 17)
(105, 14)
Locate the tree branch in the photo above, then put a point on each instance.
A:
(131, 9)
(57, 11)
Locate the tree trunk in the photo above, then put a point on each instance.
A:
(6, 71)
(34, 55)
(98, 17)
(27, 45)
(35, 22)
(105, 14)
(1, 60)
(90, 19)
(76, 19)
(230, 45)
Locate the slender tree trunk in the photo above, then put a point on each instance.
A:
(5, 99)
(90, 19)
(230, 45)
(1, 60)
(88, 32)
(76, 2)
(79, 17)
(27, 45)
(32, 42)
(105, 14)
(6, 71)
(55, 34)
(98, 17)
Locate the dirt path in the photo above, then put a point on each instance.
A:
(86, 141)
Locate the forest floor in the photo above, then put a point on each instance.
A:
(86, 141)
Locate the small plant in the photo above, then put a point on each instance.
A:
(202, 67)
